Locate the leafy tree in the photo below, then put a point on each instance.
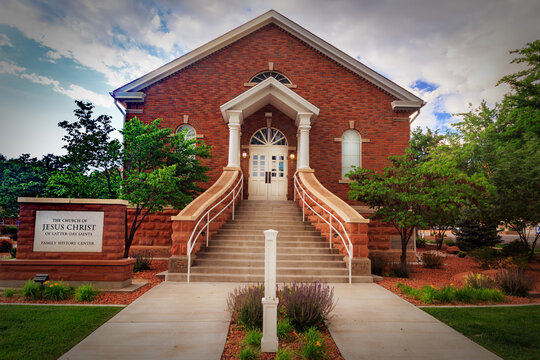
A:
(160, 169)
(407, 192)
(92, 162)
(422, 144)
(23, 177)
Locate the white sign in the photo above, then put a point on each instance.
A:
(68, 231)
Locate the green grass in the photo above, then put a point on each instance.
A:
(510, 332)
(46, 332)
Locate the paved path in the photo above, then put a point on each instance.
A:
(371, 322)
(171, 321)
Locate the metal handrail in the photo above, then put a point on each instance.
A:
(206, 215)
(348, 246)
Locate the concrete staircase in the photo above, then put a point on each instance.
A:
(236, 252)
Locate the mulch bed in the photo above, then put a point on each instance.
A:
(107, 297)
(236, 337)
(454, 272)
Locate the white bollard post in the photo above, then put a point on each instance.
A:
(269, 342)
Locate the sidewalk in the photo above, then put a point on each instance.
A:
(171, 321)
(371, 322)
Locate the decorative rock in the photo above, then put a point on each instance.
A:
(453, 250)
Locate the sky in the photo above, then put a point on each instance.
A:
(450, 53)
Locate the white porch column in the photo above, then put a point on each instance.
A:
(303, 121)
(235, 121)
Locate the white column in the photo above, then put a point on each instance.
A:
(269, 342)
(303, 121)
(235, 121)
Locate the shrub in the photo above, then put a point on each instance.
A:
(284, 354)
(486, 257)
(420, 242)
(56, 290)
(514, 282)
(479, 281)
(472, 232)
(314, 346)
(248, 353)
(32, 290)
(466, 294)
(515, 248)
(378, 263)
(432, 259)
(284, 329)
(13, 252)
(245, 305)
(462, 254)
(5, 245)
(308, 304)
(8, 293)
(253, 337)
(450, 242)
(86, 292)
(9, 230)
(399, 270)
(143, 260)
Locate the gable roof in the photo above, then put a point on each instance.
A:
(131, 90)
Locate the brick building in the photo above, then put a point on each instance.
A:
(274, 100)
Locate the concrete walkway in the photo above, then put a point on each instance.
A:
(171, 321)
(371, 322)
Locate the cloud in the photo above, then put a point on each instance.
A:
(74, 92)
(459, 48)
(5, 41)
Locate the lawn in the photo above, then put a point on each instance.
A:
(510, 332)
(46, 332)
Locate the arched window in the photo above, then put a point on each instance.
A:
(263, 75)
(351, 151)
(190, 131)
(268, 136)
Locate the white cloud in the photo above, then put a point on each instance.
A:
(461, 46)
(10, 68)
(5, 41)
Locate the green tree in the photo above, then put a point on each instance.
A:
(23, 177)
(422, 144)
(407, 192)
(91, 165)
(160, 168)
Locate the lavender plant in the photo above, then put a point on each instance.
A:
(245, 305)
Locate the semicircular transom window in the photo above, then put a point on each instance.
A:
(263, 75)
(268, 136)
(189, 131)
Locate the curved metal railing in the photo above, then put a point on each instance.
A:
(346, 242)
(237, 189)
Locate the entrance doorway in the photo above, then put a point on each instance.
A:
(268, 165)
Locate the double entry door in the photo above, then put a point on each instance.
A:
(268, 173)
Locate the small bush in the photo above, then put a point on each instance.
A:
(515, 249)
(143, 260)
(253, 337)
(399, 270)
(245, 305)
(284, 329)
(480, 281)
(86, 292)
(5, 245)
(462, 254)
(450, 242)
(8, 293)
(284, 354)
(514, 282)
(9, 230)
(308, 304)
(466, 294)
(486, 257)
(314, 346)
(56, 290)
(420, 242)
(248, 353)
(432, 259)
(32, 290)
(13, 252)
(378, 263)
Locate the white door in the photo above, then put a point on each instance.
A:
(268, 165)
(268, 173)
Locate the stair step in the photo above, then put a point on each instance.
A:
(260, 242)
(260, 231)
(260, 256)
(223, 277)
(260, 270)
(275, 226)
(260, 263)
(260, 237)
(260, 250)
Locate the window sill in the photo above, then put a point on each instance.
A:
(345, 181)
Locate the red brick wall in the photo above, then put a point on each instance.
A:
(155, 230)
(199, 89)
(113, 231)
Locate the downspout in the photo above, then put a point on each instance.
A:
(415, 116)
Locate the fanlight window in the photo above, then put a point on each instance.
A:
(266, 74)
(268, 136)
(190, 131)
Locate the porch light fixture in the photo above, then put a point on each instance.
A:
(292, 155)
(244, 154)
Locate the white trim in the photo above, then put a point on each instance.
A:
(289, 26)
(269, 91)
(407, 105)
